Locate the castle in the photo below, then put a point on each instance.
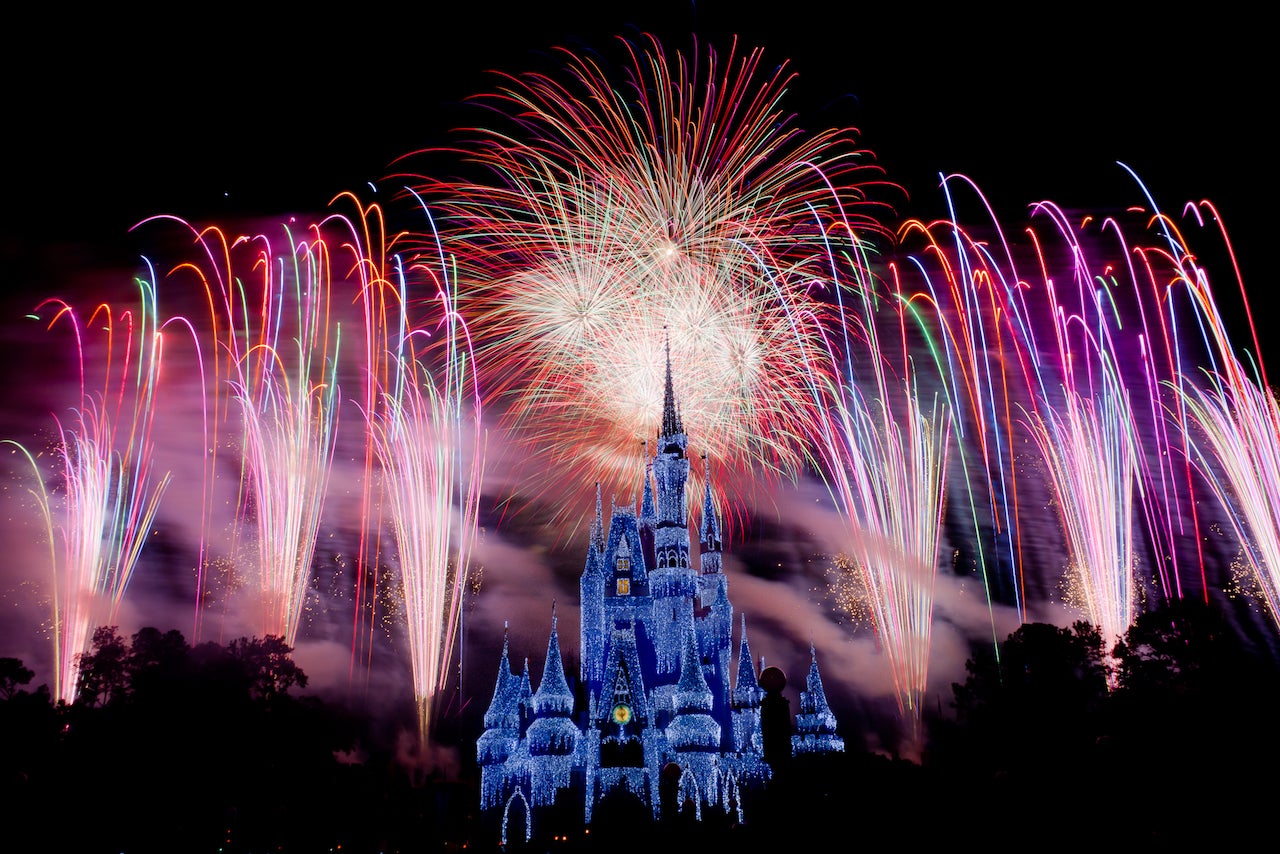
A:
(654, 695)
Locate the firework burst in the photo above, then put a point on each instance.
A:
(680, 207)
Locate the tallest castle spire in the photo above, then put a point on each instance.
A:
(670, 416)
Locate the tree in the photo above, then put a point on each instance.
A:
(103, 676)
(1027, 717)
(13, 675)
(1194, 705)
(158, 663)
(268, 665)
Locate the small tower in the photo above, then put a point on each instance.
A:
(673, 582)
(815, 724)
(710, 544)
(553, 736)
(591, 588)
(747, 695)
(501, 731)
(692, 730)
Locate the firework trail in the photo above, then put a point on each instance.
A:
(1087, 445)
(1049, 336)
(1234, 410)
(269, 306)
(109, 494)
(1238, 453)
(625, 215)
(428, 438)
(883, 456)
(287, 392)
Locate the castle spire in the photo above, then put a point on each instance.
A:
(501, 735)
(553, 695)
(647, 511)
(693, 728)
(597, 525)
(710, 534)
(815, 724)
(670, 415)
(553, 732)
(746, 690)
(502, 711)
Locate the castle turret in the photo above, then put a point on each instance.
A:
(591, 588)
(648, 517)
(693, 729)
(553, 736)
(747, 695)
(709, 552)
(524, 700)
(713, 611)
(673, 582)
(501, 730)
(815, 724)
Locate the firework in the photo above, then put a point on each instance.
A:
(1239, 455)
(1237, 421)
(883, 455)
(1042, 339)
(1088, 447)
(106, 494)
(427, 434)
(269, 306)
(666, 209)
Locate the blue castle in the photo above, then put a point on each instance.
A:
(654, 698)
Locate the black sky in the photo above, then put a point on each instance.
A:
(213, 111)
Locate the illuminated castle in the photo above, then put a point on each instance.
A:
(654, 699)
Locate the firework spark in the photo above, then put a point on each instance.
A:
(666, 209)
(1030, 332)
(269, 306)
(427, 434)
(106, 494)
(1237, 443)
(883, 456)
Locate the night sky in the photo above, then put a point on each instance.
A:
(223, 115)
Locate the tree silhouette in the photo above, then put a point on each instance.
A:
(13, 675)
(103, 675)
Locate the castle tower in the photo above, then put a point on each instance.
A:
(693, 730)
(501, 732)
(713, 612)
(591, 590)
(552, 735)
(710, 545)
(673, 583)
(747, 695)
(815, 724)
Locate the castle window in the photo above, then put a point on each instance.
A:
(624, 586)
(624, 564)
